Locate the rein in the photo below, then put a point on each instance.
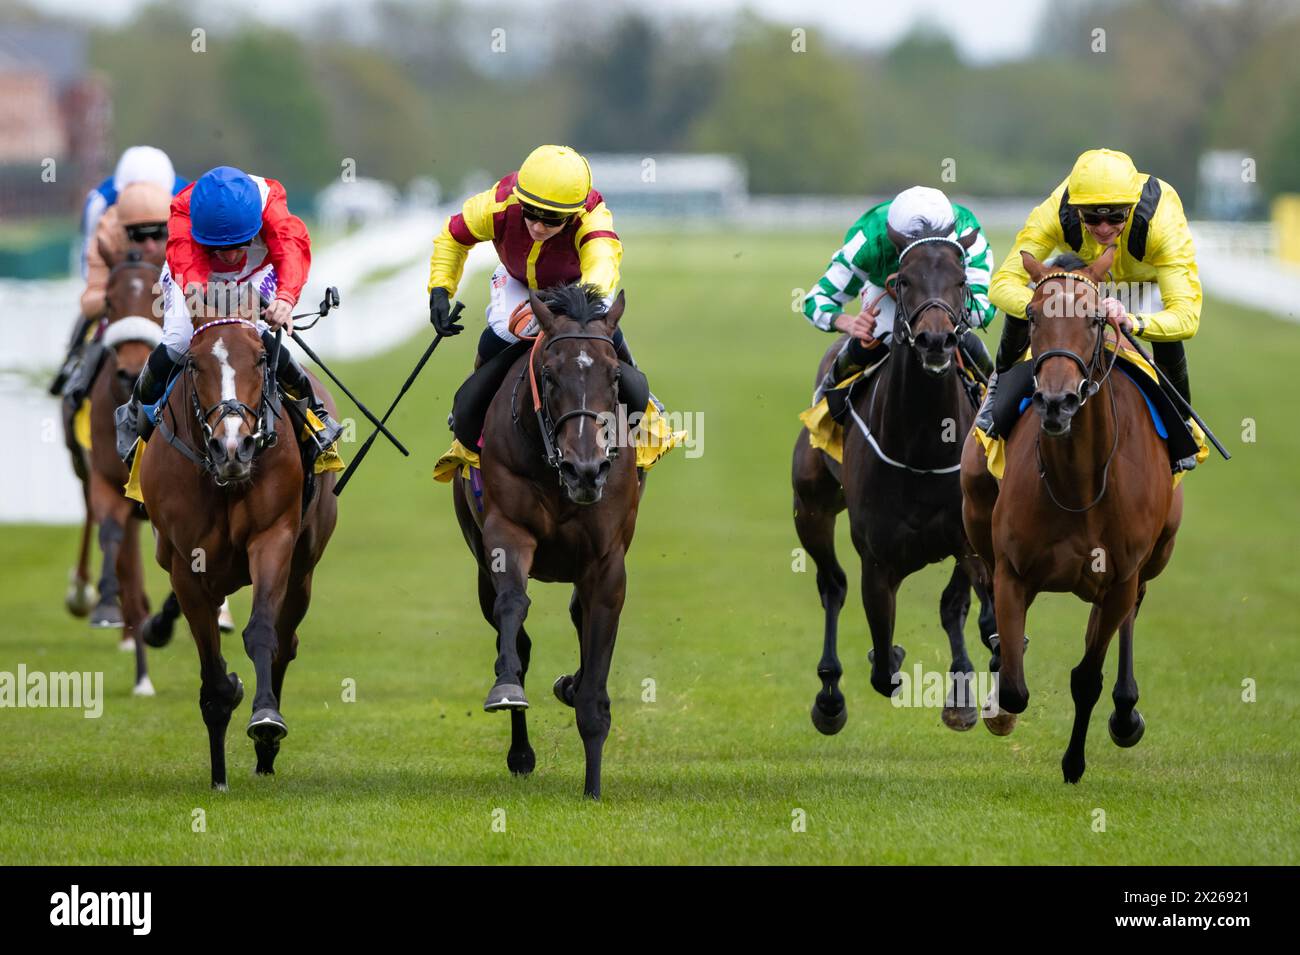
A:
(1088, 387)
(265, 435)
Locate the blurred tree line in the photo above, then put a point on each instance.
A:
(442, 89)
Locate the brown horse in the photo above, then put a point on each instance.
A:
(899, 482)
(132, 332)
(226, 498)
(559, 503)
(1086, 504)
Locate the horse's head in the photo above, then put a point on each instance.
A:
(227, 368)
(932, 296)
(578, 372)
(1067, 333)
(134, 329)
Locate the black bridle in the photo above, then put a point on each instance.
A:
(904, 316)
(1088, 386)
(548, 424)
(263, 437)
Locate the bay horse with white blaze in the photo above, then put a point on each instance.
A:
(1086, 505)
(223, 479)
(899, 482)
(559, 503)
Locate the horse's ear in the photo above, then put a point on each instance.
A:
(615, 311)
(896, 237)
(1035, 268)
(545, 320)
(969, 238)
(1097, 271)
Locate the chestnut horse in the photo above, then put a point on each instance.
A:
(559, 503)
(131, 335)
(226, 498)
(1086, 505)
(899, 482)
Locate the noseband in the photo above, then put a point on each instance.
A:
(546, 423)
(265, 435)
(904, 316)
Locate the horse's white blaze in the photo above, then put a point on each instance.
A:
(584, 360)
(228, 392)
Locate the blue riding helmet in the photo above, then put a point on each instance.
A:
(225, 208)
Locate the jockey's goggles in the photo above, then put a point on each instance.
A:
(149, 230)
(545, 216)
(238, 247)
(1096, 215)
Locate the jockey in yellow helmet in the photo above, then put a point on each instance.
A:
(549, 227)
(1105, 201)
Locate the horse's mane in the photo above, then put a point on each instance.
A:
(1068, 262)
(583, 303)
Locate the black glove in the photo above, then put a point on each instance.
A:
(440, 313)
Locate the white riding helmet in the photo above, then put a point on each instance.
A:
(921, 210)
(144, 164)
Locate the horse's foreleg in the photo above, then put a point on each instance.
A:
(135, 605)
(1126, 724)
(1011, 599)
(270, 556)
(521, 759)
(879, 599)
(81, 595)
(602, 602)
(1085, 679)
(220, 691)
(960, 708)
(817, 501)
(296, 600)
(566, 684)
(508, 551)
(107, 613)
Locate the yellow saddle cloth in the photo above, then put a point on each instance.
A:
(995, 449)
(654, 439)
(81, 425)
(327, 460)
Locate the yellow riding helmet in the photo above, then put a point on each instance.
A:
(1104, 177)
(142, 202)
(555, 178)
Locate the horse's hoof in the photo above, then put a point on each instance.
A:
(126, 645)
(1132, 739)
(897, 652)
(828, 724)
(157, 631)
(225, 619)
(106, 616)
(563, 689)
(1001, 724)
(144, 687)
(220, 788)
(1072, 769)
(80, 596)
(521, 763)
(238, 684)
(266, 726)
(505, 696)
(960, 718)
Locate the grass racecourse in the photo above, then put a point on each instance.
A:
(715, 768)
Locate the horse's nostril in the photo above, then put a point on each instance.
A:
(950, 341)
(247, 447)
(216, 450)
(568, 471)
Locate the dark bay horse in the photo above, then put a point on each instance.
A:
(1086, 504)
(132, 333)
(226, 496)
(900, 485)
(559, 503)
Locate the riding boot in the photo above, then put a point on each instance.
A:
(70, 359)
(83, 375)
(132, 423)
(1171, 358)
(294, 379)
(852, 358)
(1015, 339)
(975, 354)
(624, 353)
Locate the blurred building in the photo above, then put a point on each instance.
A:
(672, 185)
(55, 121)
(347, 205)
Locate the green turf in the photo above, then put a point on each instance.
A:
(713, 770)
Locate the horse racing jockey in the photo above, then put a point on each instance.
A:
(136, 222)
(864, 264)
(137, 164)
(1106, 201)
(234, 232)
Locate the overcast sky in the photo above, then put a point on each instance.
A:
(983, 29)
